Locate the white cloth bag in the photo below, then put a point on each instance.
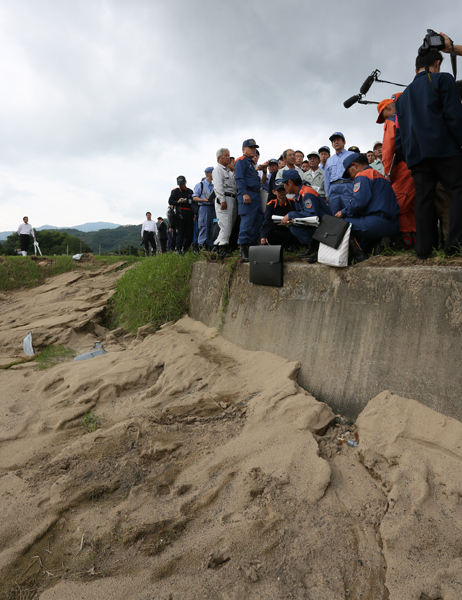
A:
(335, 258)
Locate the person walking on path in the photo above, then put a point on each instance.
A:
(25, 230)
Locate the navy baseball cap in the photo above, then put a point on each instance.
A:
(347, 163)
(251, 143)
(324, 149)
(290, 175)
(208, 170)
(337, 134)
(181, 179)
(354, 149)
(278, 185)
(273, 161)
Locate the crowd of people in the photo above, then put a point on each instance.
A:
(404, 192)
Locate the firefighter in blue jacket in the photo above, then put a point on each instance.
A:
(308, 203)
(248, 198)
(373, 210)
(271, 231)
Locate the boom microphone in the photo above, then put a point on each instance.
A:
(352, 101)
(366, 86)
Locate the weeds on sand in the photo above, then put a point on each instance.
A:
(91, 422)
(52, 355)
(155, 291)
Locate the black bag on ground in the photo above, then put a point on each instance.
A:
(265, 265)
(331, 231)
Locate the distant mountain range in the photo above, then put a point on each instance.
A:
(86, 227)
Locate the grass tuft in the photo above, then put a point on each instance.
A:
(91, 422)
(52, 355)
(154, 291)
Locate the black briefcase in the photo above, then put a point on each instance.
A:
(265, 265)
(331, 231)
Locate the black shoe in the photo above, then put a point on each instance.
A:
(355, 251)
(224, 251)
(312, 249)
(381, 245)
(245, 253)
(313, 258)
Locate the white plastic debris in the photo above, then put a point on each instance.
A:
(27, 345)
(77, 256)
(96, 351)
(37, 247)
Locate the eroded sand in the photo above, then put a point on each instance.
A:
(214, 475)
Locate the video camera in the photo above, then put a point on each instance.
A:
(435, 41)
(432, 41)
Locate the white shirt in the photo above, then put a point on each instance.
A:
(24, 229)
(223, 181)
(149, 226)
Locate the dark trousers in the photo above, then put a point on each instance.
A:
(24, 241)
(171, 241)
(163, 246)
(149, 238)
(281, 236)
(426, 175)
(185, 233)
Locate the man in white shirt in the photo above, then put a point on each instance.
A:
(377, 164)
(148, 234)
(25, 231)
(226, 200)
(289, 157)
(315, 175)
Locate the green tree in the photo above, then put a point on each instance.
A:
(51, 242)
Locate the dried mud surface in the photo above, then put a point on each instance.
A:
(212, 475)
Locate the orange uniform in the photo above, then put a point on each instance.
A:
(403, 184)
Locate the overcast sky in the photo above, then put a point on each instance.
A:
(105, 103)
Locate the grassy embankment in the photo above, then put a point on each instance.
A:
(19, 272)
(155, 291)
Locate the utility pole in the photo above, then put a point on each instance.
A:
(99, 249)
(67, 250)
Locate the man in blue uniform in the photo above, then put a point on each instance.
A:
(181, 199)
(207, 214)
(338, 188)
(248, 198)
(308, 203)
(373, 209)
(271, 232)
(429, 117)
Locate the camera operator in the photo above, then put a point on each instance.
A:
(429, 138)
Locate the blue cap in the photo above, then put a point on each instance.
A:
(273, 161)
(251, 143)
(208, 170)
(290, 175)
(337, 134)
(347, 162)
(324, 149)
(181, 179)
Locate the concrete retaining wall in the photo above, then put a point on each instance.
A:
(355, 331)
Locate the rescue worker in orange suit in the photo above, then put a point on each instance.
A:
(271, 232)
(399, 175)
